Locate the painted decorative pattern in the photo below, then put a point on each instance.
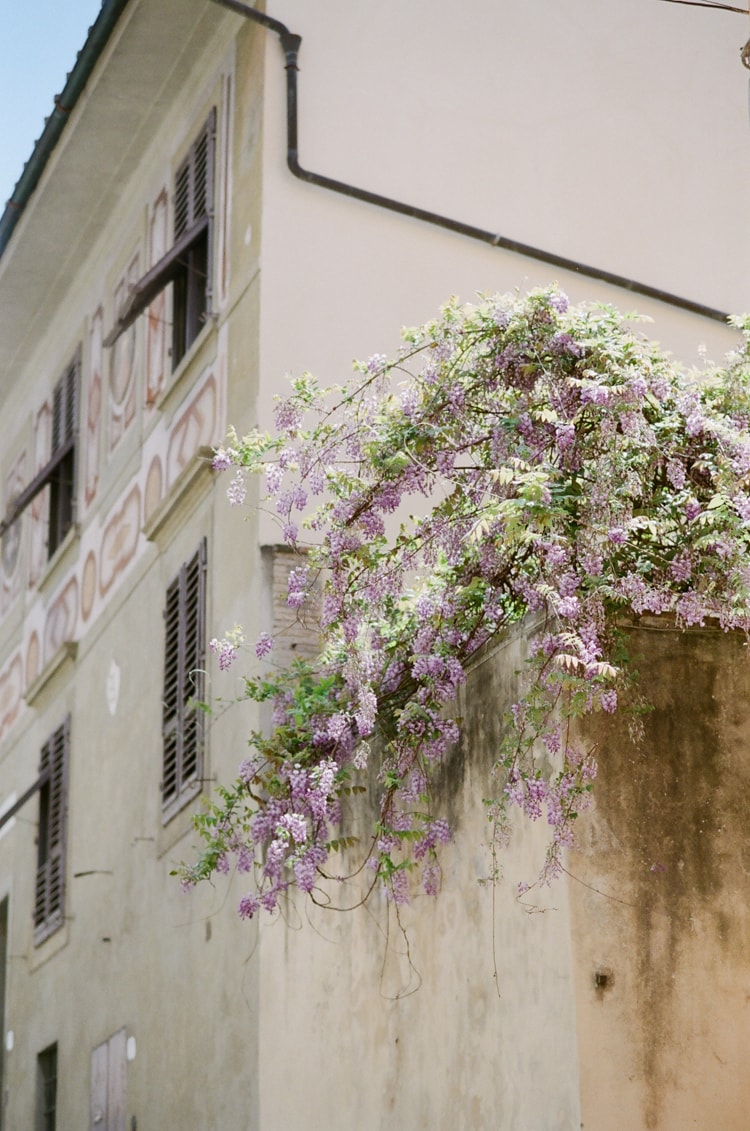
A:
(10, 544)
(93, 412)
(157, 312)
(39, 507)
(122, 375)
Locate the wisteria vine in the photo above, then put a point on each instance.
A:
(564, 467)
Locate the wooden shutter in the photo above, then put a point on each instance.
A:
(194, 181)
(184, 659)
(50, 877)
(62, 478)
(60, 469)
(64, 402)
(99, 1067)
(108, 1080)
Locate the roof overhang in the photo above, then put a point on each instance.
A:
(141, 65)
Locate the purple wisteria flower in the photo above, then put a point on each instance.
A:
(237, 491)
(529, 458)
(263, 645)
(226, 652)
(223, 459)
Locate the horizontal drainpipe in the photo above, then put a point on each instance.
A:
(99, 33)
(291, 44)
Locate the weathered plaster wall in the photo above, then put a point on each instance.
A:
(456, 1015)
(592, 130)
(618, 999)
(665, 854)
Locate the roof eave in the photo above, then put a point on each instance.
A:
(97, 39)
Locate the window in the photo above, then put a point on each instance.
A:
(188, 264)
(46, 1089)
(184, 657)
(193, 209)
(50, 872)
(62, 475)
(59, 473)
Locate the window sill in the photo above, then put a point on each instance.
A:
(190, 485)
(201, 353)
(46, 930)
(177, 817)
(63, 660)
(59, 561)
(178, 803)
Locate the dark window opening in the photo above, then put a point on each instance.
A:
(184, 682)
(50, 873)
(188, 264)
(46, 1089)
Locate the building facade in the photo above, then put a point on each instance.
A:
(165, 261)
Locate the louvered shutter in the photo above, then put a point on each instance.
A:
(172, 672)
(59, 472)
(184, 659)
(64, 429)
(50, 877)
(64, 401)
(193, 183)
(193, 211)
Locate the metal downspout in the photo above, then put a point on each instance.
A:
(88, 56)
(291, 44)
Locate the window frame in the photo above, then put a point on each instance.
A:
(183, 732)
(49, 887)
(193, 243)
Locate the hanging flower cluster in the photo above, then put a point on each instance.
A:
(560, 466)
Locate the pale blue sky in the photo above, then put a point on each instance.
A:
(39, 41)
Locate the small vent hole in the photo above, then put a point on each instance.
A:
(603, 980)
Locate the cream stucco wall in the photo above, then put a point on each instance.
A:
(614, 135)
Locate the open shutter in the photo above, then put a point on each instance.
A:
(60, 470)
(62, 479)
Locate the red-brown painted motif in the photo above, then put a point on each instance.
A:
(120, 539)
(156, 318)
(60, 625)
(195, 428)
(93, 412)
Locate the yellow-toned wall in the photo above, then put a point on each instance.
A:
(662, 903)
